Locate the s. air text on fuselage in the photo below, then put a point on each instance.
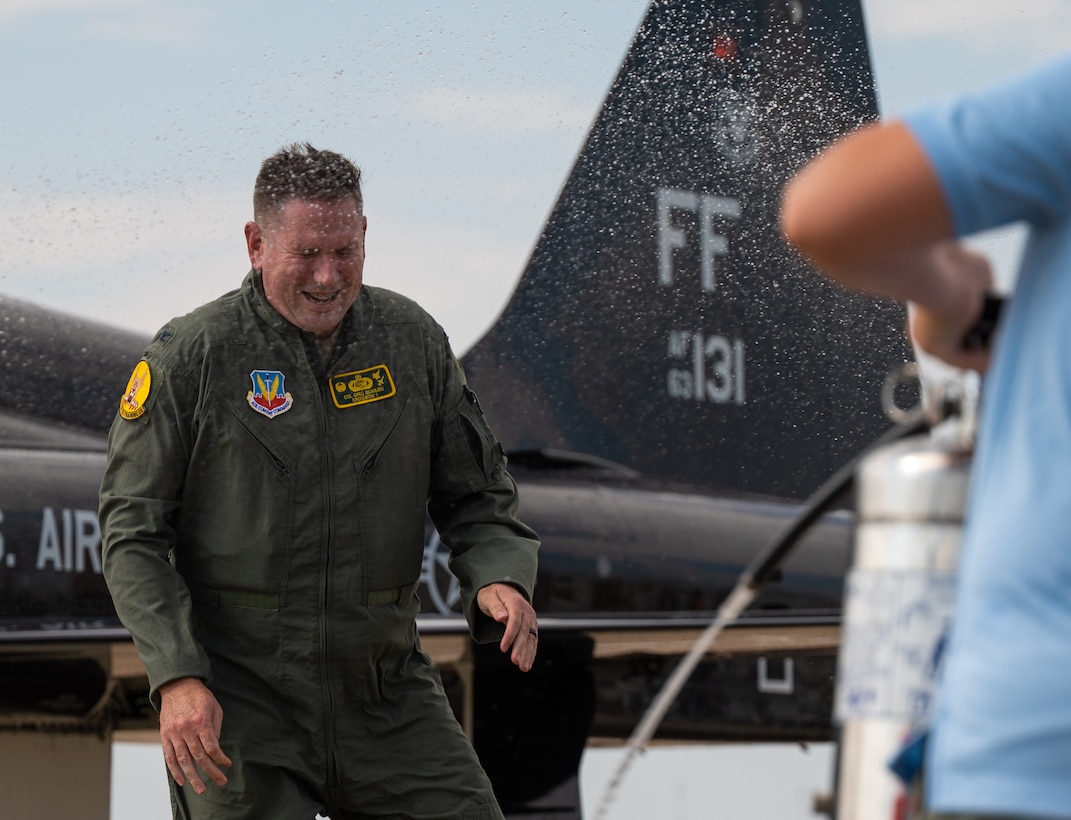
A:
(69, 541)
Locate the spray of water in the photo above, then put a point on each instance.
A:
(739, 599)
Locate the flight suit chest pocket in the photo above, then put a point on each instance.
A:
(238, 506)
(393, 428)
(388, 509)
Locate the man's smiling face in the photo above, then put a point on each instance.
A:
(311, 255)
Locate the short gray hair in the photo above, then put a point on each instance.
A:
(300, 171)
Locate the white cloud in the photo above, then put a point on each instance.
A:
(13, 9)
(980, 24)
(134, 259)
(135, 20)
(138, 259)
(498, 113)
(463, 275)
(152, 24)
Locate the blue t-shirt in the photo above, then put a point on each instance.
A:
(1001, 738)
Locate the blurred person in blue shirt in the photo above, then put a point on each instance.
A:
(880, 211)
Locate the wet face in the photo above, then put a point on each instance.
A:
(311, 255)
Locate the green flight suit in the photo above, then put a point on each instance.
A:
(263, 527)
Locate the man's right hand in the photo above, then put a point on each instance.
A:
(964, 277)
(190, 722)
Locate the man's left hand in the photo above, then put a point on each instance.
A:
(508, 606)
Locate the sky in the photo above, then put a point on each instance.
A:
(131, 131)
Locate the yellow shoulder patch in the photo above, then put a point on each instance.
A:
(362, 386)
(132, 404)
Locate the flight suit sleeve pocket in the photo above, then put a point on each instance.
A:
(475, 453)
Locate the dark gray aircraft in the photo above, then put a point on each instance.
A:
(670, 381)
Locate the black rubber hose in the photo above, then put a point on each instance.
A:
(832, 491)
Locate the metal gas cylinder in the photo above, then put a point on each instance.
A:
(910, 502)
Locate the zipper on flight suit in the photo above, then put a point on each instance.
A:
(325, 568)
(367, 468)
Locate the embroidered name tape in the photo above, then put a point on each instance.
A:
(362, 386)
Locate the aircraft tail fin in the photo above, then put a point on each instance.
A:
(662, 322)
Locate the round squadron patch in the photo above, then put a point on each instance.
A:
(132, 404)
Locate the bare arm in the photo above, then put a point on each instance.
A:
(869, 212)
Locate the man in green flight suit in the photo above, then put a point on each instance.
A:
(263, 509)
